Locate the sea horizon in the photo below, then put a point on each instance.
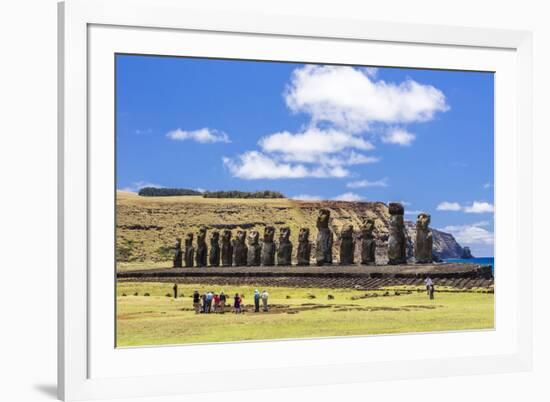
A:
(475, 260)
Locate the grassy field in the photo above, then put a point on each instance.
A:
(295, 313)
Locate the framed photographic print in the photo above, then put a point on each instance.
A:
(253, 195)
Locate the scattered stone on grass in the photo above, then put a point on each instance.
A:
(146, 294)
(330, 297)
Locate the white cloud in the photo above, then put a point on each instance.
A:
(471, 234)
(488, 185)
(366, 183)
(311, 153)
(352, 99)
(138, 185)
(203, 135)
(341, 159)
(479, 207)
(307, 197)
(398, 136)
(449, 206)
(139, 131)
(359, 159)
(342, 103)
(200, 190)
(255, 165)
(348, 197)
(370, 71)
(311, 144)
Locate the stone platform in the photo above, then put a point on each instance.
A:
(334, 276)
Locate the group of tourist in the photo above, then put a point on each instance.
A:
(210, 302)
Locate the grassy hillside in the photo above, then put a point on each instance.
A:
(148, 226)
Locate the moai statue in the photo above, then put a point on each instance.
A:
(214, 256)
(240, 250)
(178, 254)
(323, 244)
(284, 249)
(304, 247)
(424, 240)
(397, 242)
(202, 248)
(254, 249)
(368, 244)
(347, 245)
(227, 249)
(268, 247)
(189, 250)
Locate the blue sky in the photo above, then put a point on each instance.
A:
(423, 137)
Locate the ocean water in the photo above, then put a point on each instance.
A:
(482, 260)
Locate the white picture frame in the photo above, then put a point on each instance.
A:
(90, 367)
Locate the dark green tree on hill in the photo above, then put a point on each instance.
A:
(243, 194)
(166, 192)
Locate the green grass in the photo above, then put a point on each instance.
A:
(157, 319)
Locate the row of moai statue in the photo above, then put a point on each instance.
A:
(238, 252)
(248, 251)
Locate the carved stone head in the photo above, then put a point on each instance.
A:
(395, 208)
(214, 237)
(226, 236)
(284, 234)
(347, 232)
(303, 236)
(241, 236)
(201, 235)
(189, 240)
(323, 219)
(367, 227)
(269, 234)
(253, 237)
(423, 221)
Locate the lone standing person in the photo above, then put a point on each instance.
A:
(175, 290)
(257, 297)
(196, 301)
(429, 287)
(265, 295)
